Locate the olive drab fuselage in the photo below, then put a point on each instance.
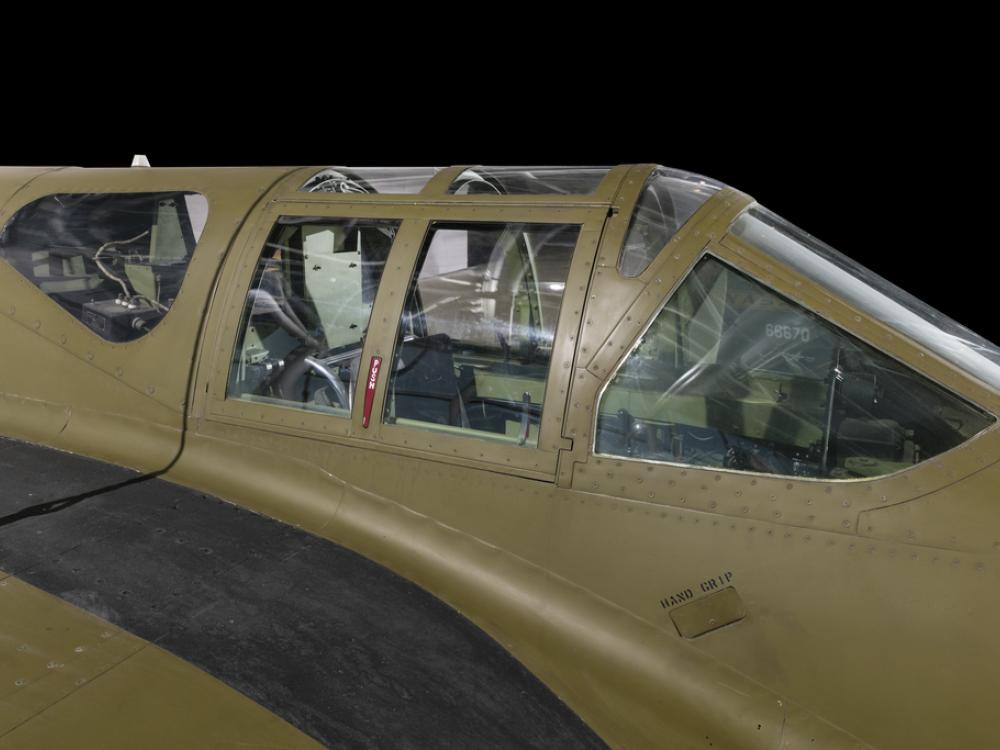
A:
(667, 470)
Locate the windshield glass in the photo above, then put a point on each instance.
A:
(669, 198)
(870, 293)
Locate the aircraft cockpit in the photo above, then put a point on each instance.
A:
(729, 372)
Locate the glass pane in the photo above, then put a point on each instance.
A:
(477, 329)
(306, 315)
(871, 293)
(669, 199)
(528, 181)
(115, 261)
(388, 180)
(732, 375)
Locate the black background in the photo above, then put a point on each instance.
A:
(892, 166)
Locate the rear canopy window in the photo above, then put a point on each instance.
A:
(115, 261)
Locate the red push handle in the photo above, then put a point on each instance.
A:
(373, 369)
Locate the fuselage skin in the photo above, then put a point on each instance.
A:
(866, 610)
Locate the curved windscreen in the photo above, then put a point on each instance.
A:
(115, 261)
(870, 293)
(668, 200)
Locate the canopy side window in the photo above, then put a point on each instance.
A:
(307, 312)
(732, 375)
(477, 330)
(115, 261)
(669, 198)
